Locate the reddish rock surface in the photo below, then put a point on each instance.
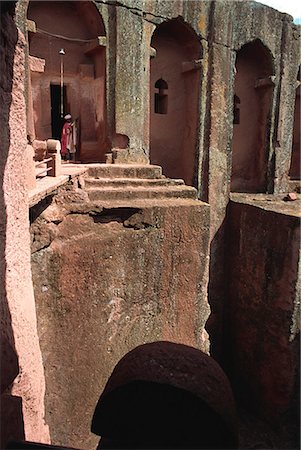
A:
(89, 250)
(22, 371)
(106, 280)
(262, 310)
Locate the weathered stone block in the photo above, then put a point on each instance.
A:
(36, 64)
(262, 309)
(109, 281)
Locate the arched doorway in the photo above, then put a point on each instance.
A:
(174, 90)
(67, 46)
(166, 395)
(252, 104)
(295, 170)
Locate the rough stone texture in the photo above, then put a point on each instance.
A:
(233, 25)
(107, 280)
(223, 28)
(290, 65)
(36, 64)
(130, 97)
(18, 315)
(262, 316)
(30, 172)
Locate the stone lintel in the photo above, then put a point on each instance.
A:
(264, 82)
(36, 64)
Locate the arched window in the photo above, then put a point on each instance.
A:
(161, 84)
(161, 98)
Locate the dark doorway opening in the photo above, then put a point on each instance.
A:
(57, 118)
(295, 168)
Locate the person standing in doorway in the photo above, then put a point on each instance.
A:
(69, 139)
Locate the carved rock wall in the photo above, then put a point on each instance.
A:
(21, 361)
(107, 280)
(262, 328)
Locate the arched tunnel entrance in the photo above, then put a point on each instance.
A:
(166, 395)
(67, 47)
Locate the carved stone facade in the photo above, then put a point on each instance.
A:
(121, 255)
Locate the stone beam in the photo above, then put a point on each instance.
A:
(36, 64)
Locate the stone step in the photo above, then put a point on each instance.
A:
(124, 171)
(92, 183)
(159, 192)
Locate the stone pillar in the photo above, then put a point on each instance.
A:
(290, 64)
(131, 91)
(219, 160)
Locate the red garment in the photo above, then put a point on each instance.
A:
(66, 138)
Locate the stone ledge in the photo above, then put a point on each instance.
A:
(147, 203)
(269, 202)
(47, 185)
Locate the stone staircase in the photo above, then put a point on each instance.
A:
(121, 182)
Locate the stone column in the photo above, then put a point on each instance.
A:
(132, 69)
(290, 64)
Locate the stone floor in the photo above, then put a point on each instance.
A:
(270, 202)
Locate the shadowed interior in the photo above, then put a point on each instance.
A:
(145, 414)
(74, 27)
(295, 172)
